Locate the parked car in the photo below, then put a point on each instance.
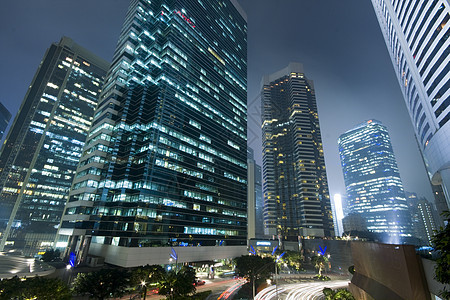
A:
(199, 282)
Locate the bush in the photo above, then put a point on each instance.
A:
(34, 288)
(342, 294)
(322, 277)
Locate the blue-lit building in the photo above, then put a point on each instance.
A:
(372, 180)
(5, 116)
(165, 163)
(41, 151)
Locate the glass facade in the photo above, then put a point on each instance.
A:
(41, 152)
(372, 180)
(417, 37)
(165, 162)
(255, 200)
(5, 116)
(295, 186)
(423, 217)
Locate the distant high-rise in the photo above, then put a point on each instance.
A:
(354, 222)
(296, 198)
(255, 201)
(5, 116)
(165, 163)
(43, 146)
(423, 217)
(338, 214)
(372, 181)
(417, 37)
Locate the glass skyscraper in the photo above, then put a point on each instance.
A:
(423, 217)
(41, 152)
(372, 181)
(5, 116)
(417, 37)
(255, 201)
(295, 186)
(165, 163)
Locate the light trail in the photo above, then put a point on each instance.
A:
(229, 291)
(269, 293)
(303, 291)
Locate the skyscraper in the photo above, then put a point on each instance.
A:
(338, 214)
(372, 181)
(43, 146)
(5, 116)
(423, 217)
(165, 163)
(255, 201)
(416, 35)
(295, 187)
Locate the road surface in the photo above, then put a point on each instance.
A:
(300, 291)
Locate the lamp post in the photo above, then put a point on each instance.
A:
(69, 274)
(276, 278)
(253, 277)
(144, 286)
(328, 261)
(276, 271)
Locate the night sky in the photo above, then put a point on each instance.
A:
(339, 43)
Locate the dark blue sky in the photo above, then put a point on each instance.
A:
(338, 42)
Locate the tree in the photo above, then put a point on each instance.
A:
(319, 262)
(177, 285)
(255, 268)
(34, 288)
(51, 255)
(147, 275)
(294, 259)
(102, 284)
(441, 242)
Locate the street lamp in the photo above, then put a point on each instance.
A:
(145, 288)
(276, 271)
(68, 273)
(329, 263)
(253, 280)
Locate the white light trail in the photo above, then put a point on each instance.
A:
(300, 291)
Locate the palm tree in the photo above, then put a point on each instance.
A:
(319, 262)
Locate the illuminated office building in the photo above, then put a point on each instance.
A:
(417, 38)
(423, 217)
(427, 228)
(165, 163)
(255, 200)
(372, 181)
(338, 214)
(43, 146)
(5, 116)
(295, 186)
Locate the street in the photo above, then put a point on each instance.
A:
(296, 291)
